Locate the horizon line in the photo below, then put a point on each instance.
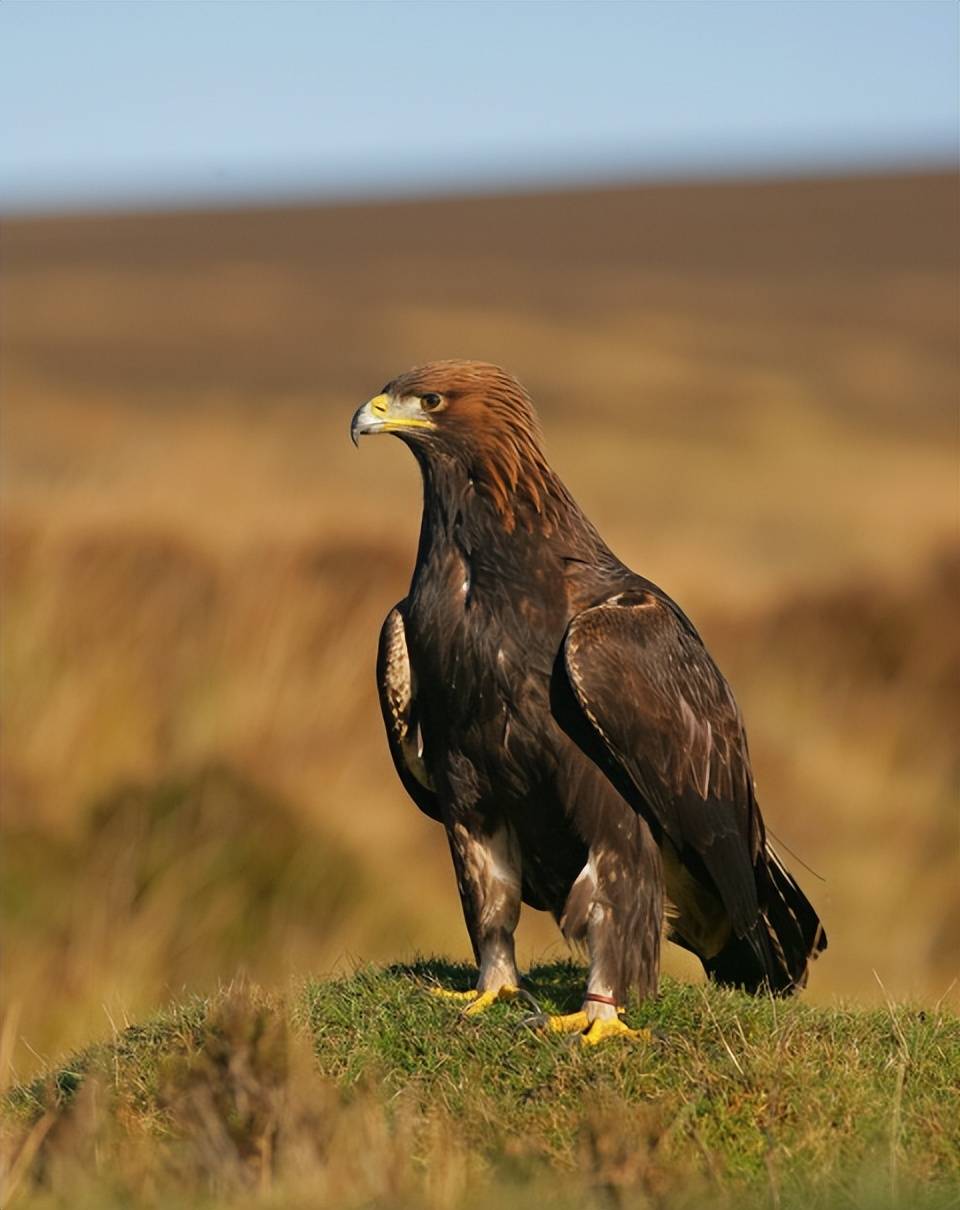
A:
(472, 184)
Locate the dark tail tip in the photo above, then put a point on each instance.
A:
(787, 937)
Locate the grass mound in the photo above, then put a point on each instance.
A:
(364, 1090)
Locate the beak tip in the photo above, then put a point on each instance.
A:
(356, 426)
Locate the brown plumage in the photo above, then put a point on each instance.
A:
(561, 717)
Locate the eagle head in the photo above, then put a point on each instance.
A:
(470, 413)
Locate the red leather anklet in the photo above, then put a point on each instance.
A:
(598, 999)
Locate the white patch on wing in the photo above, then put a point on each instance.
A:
(400, 696)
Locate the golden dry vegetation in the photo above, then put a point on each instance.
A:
(752, 390)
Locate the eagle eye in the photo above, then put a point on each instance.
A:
(431, 401)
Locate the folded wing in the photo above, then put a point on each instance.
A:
(673, 741)
(398, 704)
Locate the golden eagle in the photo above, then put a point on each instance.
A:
(561, 717)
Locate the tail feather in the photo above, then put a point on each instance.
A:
(786, 938)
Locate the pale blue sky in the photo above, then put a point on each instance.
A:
(159, 101)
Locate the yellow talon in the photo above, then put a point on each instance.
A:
(485, 999)
(567, 1023)
(598, 1031)
(590, 1033)
(477, 1002)
(443, 994)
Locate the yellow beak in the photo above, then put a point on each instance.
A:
(384, 414)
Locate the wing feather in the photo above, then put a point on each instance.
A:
(398, 704)
(668, 720)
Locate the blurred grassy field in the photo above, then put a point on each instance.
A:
(752, 390)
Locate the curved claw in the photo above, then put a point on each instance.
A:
(523, 994)
(536, 1022)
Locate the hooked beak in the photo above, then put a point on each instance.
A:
(384, 414)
